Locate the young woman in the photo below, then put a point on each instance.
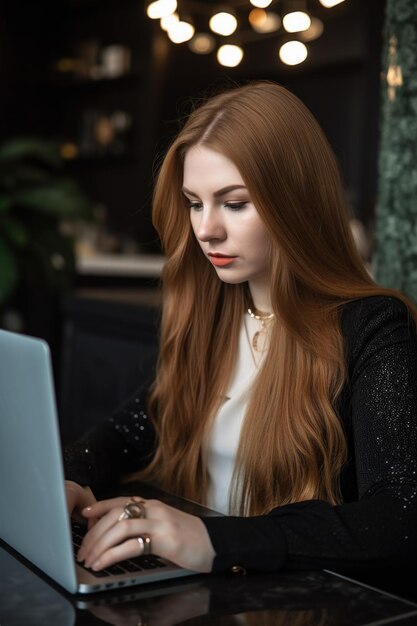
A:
(285, 392)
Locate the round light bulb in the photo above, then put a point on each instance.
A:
(315, 30)
(223, 23)
(264, 21)
(328, 4)
(261, 4)
(202, 43)
(181, 32)
(229, 55)
(161, 8)
(169, 21)
(296, 21)
(257, 17)
(293, 53)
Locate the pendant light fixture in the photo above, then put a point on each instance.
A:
(228, 27)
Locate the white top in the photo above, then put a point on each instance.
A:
(223, 439)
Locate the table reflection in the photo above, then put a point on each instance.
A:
(290, 599)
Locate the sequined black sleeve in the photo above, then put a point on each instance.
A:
(121, 444)
(378, 520)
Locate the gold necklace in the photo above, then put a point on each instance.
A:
(259, 342)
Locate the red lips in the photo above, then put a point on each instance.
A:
(221, 260)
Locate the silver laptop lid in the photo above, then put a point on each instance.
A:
(33, 511)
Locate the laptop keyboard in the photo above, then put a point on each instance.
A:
(128, 566)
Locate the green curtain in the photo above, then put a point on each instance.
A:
(395, 256)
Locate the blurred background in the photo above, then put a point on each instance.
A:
(92, 92)
(106, 82)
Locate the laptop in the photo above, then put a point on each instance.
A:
(34, 518)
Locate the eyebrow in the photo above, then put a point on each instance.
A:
(217, 194)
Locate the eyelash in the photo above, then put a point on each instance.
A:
(233, 206)
(194, 206)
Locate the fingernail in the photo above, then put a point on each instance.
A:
(96, 565)
(87, 508)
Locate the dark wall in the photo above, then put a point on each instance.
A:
(339, 82)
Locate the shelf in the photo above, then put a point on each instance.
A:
(137, 265)
(97, 87)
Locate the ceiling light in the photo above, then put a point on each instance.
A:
(161, 8)
(314, 31)
(203, 43)
(223, 23)
(261, 4)
(253, 20)
(296, 21)
(168, 22)
(293, 53)
(330, 3)
(180, 32)
(263, 21)
(229, 55)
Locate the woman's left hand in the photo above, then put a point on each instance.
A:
(177, 536)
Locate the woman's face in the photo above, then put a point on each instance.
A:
(224, 219)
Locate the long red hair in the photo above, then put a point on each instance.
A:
(292, 445)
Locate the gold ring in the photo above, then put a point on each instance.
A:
(145, 544)
(133, 510)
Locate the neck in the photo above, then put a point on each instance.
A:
(261, 299)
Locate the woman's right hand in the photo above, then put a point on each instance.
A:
(77, 498)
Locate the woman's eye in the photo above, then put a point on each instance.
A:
(195, 206)
(235, 206)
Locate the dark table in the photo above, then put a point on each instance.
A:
(317, 598)
(303, 598)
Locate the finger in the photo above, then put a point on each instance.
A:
(77, 498)
(117, 536)
(91, 523)
(102, 507)
(101, 526)
(108, 526)
(88, 498)
(110, 531)
(126, 550)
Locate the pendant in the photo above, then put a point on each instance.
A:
(259, 341)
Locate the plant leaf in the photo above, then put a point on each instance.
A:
(60, 198)
(30, 148)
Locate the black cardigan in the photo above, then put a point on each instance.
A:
(378, 518)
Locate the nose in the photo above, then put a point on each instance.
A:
(208, 225)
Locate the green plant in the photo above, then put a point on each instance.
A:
(36, 198)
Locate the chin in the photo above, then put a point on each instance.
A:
(231, 279)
